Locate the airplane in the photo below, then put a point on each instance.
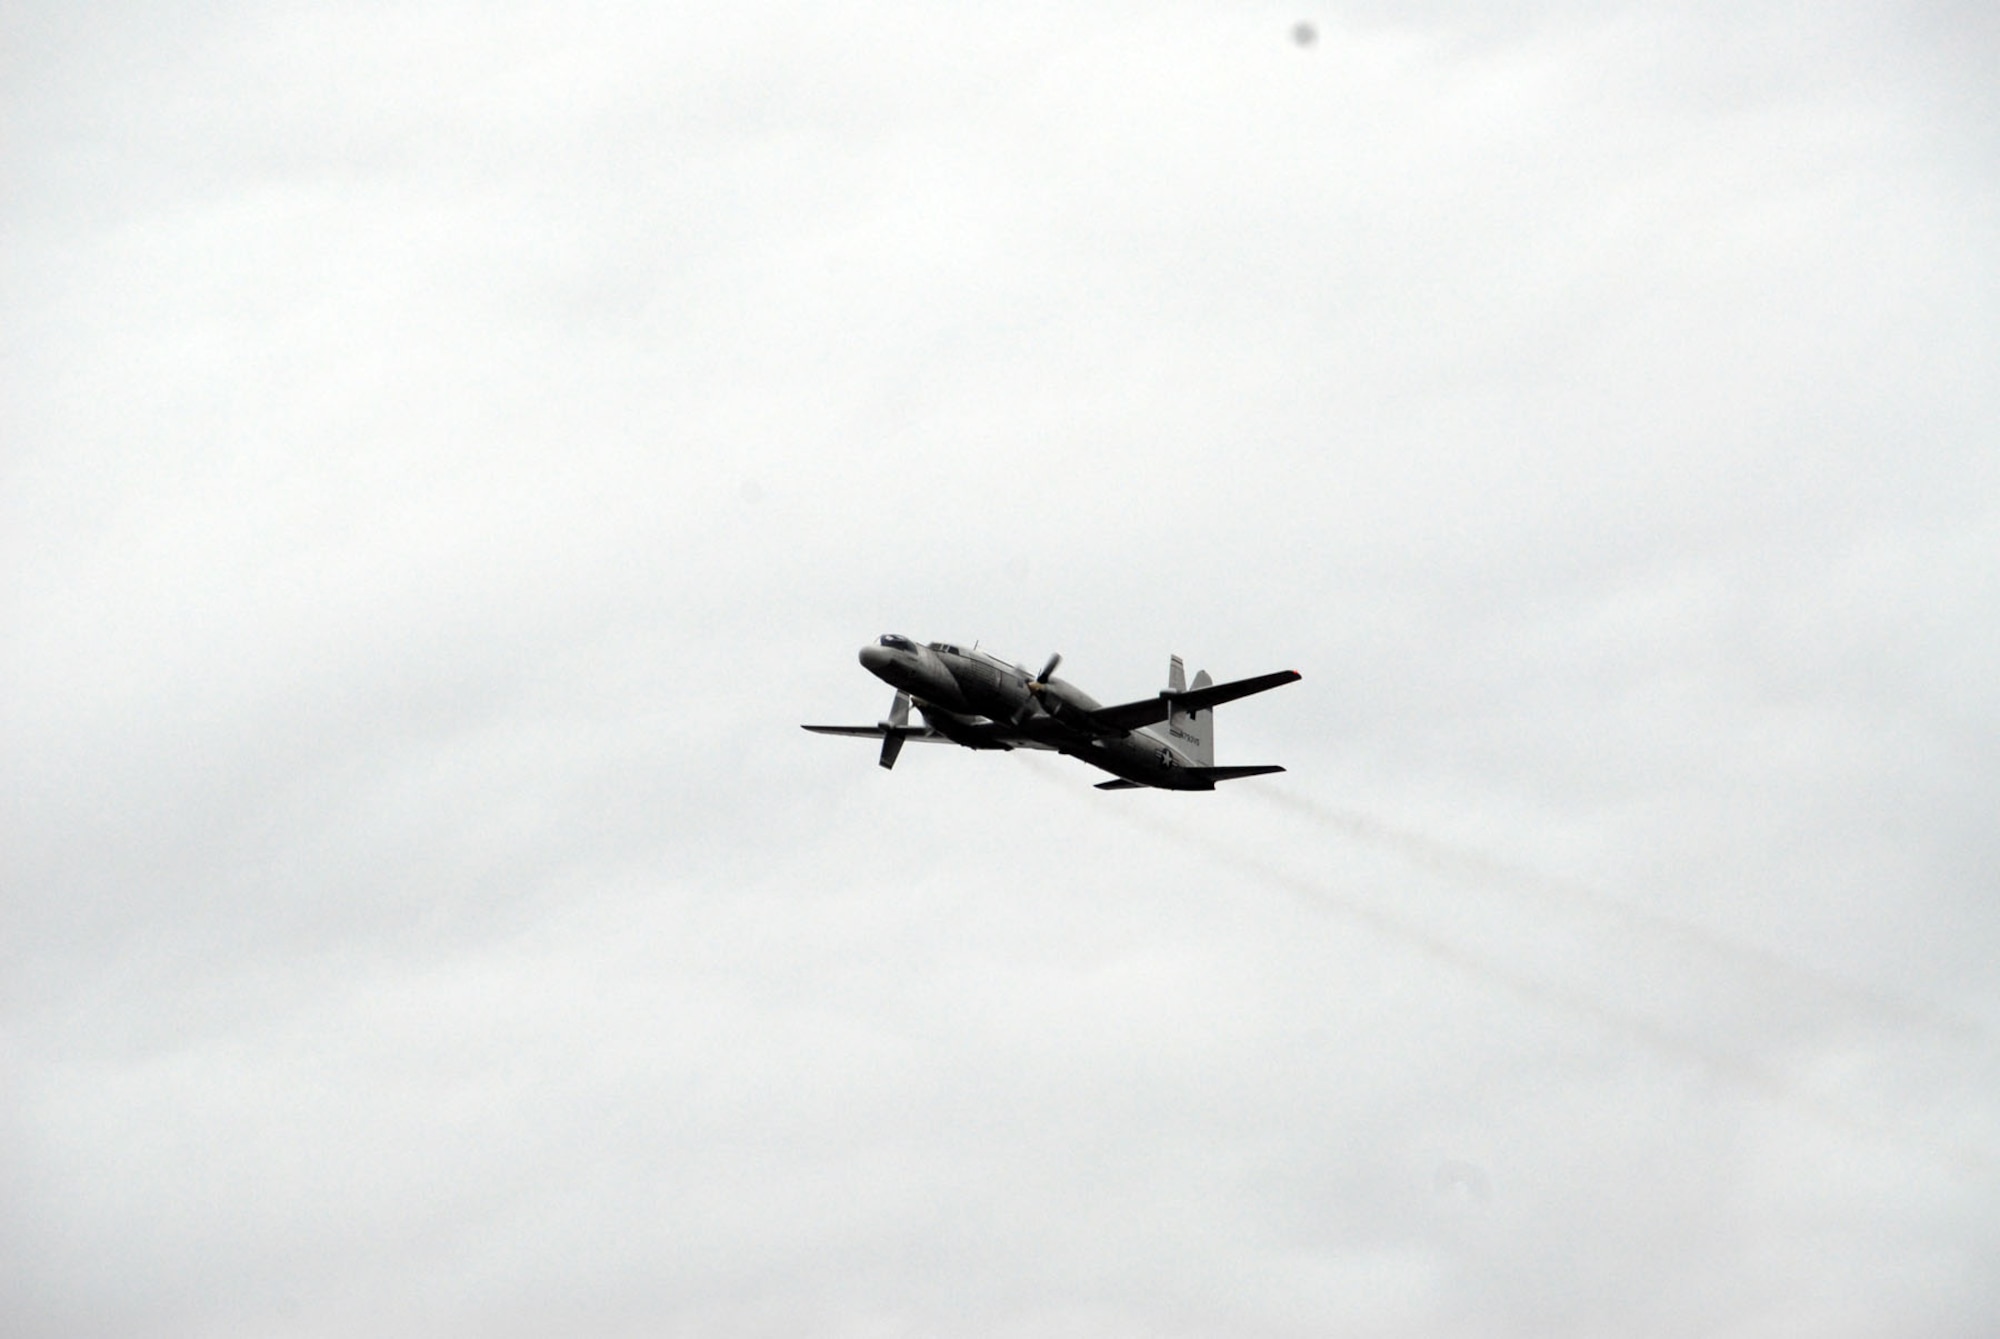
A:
(979, 701)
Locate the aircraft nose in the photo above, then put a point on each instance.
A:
(875, 659)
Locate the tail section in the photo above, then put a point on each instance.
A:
(1193, 732)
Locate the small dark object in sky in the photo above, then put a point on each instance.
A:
(1463, 1181)
(1304, 34)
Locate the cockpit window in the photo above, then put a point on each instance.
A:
(945, 647)
(891, 640)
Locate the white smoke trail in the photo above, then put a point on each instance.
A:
(1642, 1031)
(1464, 865)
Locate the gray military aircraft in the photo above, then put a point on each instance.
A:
(975, 699)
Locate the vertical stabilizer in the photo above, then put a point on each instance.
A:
(1176, 676)
(1193, 732)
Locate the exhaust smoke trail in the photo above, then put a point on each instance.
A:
(1636, 1028)
(1464, 865)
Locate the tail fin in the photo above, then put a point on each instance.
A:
(1193, 732)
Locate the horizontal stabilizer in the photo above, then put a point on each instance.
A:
(1231, 773)
(1153, 710)
(1120, 784)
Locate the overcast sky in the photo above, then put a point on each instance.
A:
(449, 449)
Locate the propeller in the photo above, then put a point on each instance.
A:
(1036, 688)
(893, 729)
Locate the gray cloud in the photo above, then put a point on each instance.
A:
(450, 452)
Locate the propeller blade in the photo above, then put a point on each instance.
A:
(896, 727)
(1036, 704)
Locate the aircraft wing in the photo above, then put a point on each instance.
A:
(982, 736)
(921, 734)
(1153, 710)
(892, 735)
